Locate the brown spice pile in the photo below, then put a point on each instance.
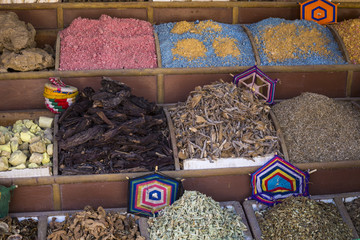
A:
(349, 32)
(302, 218)
(184, 26)
(225, 46)
(190, 48)
(287, 40)
(353, 209)
(319, 129)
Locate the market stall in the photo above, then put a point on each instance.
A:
(158, 109)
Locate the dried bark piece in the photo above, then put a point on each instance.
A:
(112, 132)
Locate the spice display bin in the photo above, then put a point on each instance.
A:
(232, 205)
(8, 118)
(41, 222)
(195, 163)
(45, 217)
(314, 165)
(250, 206)
(168, 120)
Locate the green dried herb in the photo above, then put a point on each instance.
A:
(196, 216)
(302, 218)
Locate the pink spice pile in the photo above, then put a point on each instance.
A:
(107, 43)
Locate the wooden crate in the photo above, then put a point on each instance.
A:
(251, 206)
(204, 163)
(232, 205)
(10, 117)
(57, 150)
(314, 165)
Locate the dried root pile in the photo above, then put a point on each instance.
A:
(223, 121)
(95, 224)
(13, 229)
(353, 209)
(196, 216)
(303, 218)
(112, 131)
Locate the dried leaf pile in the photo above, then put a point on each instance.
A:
(303, 218)
(112, 131)
(319, 129)
(95, 224)
(223, 121)
(353, 209)
(13, 229)
(196, 216)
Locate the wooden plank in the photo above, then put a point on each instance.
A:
(42, 227)
(60, 17)
(57, 56)
(235, 15)
(160, 88)
(340, 42)
(172, 139)
(280, 134)
(37, 181)
(56, 196)
(56, 147)
(345, 215)
(349, 83)
(349, 4)
(40, 18)
(150, 14)
(178, 71)
(253, 45)
(69, 14)
(46, 36)
(191, 13)
(158, 50)
(250, 214)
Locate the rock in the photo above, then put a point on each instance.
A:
(25, 136)
(27, 60)
(38, 147)
(15, 34)
(50, 149)
(24, 146)
(36, 158)
(46, 159)
(5, 154)
(17, 158)
(4, 165)
(14, 144)
(33, 165)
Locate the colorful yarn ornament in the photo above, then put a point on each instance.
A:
(58, 95)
